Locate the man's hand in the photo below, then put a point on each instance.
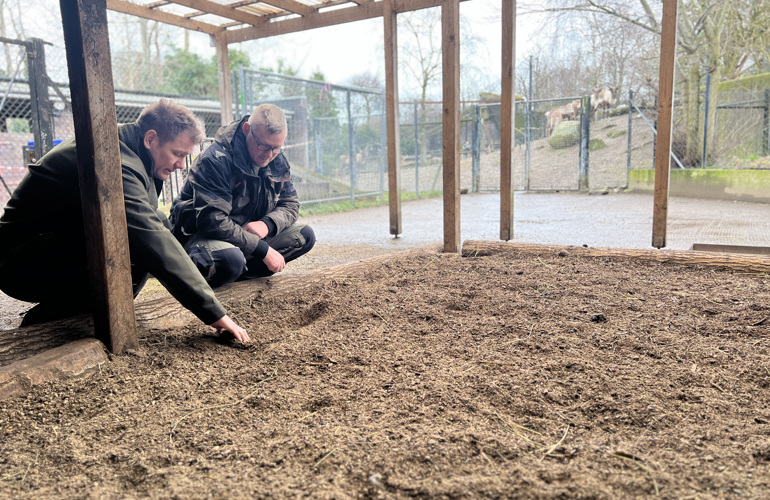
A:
(226, 324)
(257, 227)
(274, 261)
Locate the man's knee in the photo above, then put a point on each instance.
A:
(220, 266)
(309, 235)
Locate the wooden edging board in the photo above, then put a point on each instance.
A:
(66, 348)
(745, 263)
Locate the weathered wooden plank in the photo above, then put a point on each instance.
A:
(76, 359)
(507, 104)
(99, 170)
(160, 16)
(223, 11)
(393, 118)
(665, 107)
(450, 58)
(744, 263)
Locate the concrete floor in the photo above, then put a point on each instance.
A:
(614, 220)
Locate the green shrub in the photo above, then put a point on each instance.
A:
(596, 145)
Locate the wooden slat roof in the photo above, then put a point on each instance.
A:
(242, 20)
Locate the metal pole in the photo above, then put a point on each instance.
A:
(529, 125)
(585, 141)
(318, 143)
(630, 121)
(42, 113)
(706, 121)
(476, 149)
(242, 100)
(766, 125)
(383, 141)
(351, 149)
(416, 155)
(236, 101)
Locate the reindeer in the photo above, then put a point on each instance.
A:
(570, 111)
(602, 99)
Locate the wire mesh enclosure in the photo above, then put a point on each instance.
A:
(335, 142)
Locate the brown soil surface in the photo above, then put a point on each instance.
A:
(536, 376)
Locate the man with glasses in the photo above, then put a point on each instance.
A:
(237, 213)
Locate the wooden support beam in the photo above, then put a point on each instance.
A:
(367, 10)
(310, 21)
(222, 11)
(291, 6)
(665, 107)
(737, 262)
(507, 113)
(163, 17)
(393, 117)
(225, 83)
(100, 172)
(450, 59)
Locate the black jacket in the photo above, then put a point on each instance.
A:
(224, 191)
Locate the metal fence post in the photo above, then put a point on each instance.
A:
(318, 145)
(416, 155)
(630, 121)
(706, 121)
(351, 150)
(585, 141)
(42, 113)
(383, 142)
(476, 149)
(766, 125)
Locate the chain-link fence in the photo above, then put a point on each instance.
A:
(336, 136)
(741, 131)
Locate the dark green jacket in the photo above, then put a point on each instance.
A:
(224, 191)
(48, 201)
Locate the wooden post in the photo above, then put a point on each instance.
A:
(225, 81)
(507, 114)
(450, 55)
(100, 172)
(663, 139)
(391, 105)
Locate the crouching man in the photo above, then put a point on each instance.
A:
(42, 238)
(237, 213)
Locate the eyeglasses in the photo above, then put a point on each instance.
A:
(264, 147)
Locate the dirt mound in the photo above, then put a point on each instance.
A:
(536, 376)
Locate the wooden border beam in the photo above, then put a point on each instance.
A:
(392, 117)
(744, 263)
(665, 106)
(162, 17)
(507, 114)
(99, 169)
(450, 59)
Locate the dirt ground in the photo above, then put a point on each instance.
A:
(539, 375)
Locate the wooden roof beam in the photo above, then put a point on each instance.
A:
(163, 17)
(291, 6)
(328, 18)
(220, 10)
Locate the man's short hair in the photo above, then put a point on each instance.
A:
(270, 116)
(170, 120)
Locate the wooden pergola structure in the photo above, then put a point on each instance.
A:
(232, 21)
